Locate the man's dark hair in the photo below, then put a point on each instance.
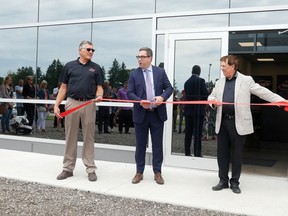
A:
(196, 70)
(149, 51)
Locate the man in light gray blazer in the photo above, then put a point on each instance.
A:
(234, 122)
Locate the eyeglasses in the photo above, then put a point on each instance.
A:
(89, 49)
(142, 57)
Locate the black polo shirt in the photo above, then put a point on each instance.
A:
(82, 79)
(229, 95)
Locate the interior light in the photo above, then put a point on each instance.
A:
(249, 44)
(265, 59)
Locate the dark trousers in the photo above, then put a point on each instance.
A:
(20, 111)
(229, 148)
(30, 111)
(125, 117)
(104, 117)
(193, 126)
(153, 123)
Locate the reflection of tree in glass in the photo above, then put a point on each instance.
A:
(117, 74)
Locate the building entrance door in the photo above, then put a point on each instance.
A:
(182, 53)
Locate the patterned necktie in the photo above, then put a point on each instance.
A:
(149, 86)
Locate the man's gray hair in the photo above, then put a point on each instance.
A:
(83, 43)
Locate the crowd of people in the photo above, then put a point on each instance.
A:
(108, 117)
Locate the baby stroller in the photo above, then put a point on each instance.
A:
(20, 125)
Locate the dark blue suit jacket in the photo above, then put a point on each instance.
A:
(137, 91)
(195, 89)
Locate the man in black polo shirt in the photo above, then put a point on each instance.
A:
(234, 122)
(81, 81)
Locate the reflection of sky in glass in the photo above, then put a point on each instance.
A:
(203, 21)
(121, 40)
(261, 18)
(197, 52)
(19, 48)
(185, 5)
(239, 3)
(61, 42)
(18, 11)
(51, 10)
(104, 8)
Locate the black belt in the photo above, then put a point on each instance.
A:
(229, 116)
(151, 110)
(81, 99)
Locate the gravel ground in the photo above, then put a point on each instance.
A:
(28, 198)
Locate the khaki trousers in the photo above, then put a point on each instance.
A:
(87, 116)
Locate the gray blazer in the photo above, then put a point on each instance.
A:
(244, 87)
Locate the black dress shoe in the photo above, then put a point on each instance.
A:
(235, 188)
(220, 186)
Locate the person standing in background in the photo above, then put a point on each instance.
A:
(29, 92)
(6, 91)
(181, 111)
(195, 89)
(61, 107)
(42, 109)
(18, 90)
(103, 112)
(81, 81)
(150, 86)
(125, 113)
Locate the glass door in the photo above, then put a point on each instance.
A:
(182, 53)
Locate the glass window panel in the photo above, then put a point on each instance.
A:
(272, 42)
(206, 54)
(65, 9)
(160, 49)
(120, 41)
(19, 46)
(54, 44)
(239, 3)
(192, 22)
(261, 41)
(61, 42)
(12, 12)
(185, 5)
(241, 42)
(261, 18)
(122, 8)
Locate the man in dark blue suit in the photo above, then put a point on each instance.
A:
(195, 89)
(150, 86)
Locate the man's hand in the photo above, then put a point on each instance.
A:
(57, 112)
(158, 100)
(216, 103)
(145, 104)
(97, 99)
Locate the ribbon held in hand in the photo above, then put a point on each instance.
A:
(280, 104)
(67, 112)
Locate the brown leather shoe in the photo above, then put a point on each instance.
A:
(158, 178)
(92, 176)
(65, 174)
(137, 178)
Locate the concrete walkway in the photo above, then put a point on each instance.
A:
(187, 187)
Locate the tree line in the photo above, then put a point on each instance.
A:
(117, 74)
